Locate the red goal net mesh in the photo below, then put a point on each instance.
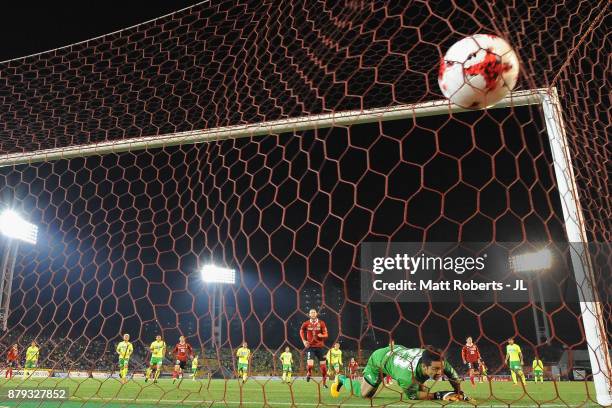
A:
(122, 235)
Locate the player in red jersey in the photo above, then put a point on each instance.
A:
(11, 361)
(182, 351)
(353, 367)
(471, 357)
(313, 334)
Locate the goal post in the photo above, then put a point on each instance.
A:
(320, 121)
(591, 308)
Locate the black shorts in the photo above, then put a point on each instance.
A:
(312, 352)
(181, 364)
(473, 366)
(11, 364)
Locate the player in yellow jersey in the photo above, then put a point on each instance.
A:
(514, 359)
(243, 355)
(124, 350)
(194, 367)
(286, 359)
(334, 360)
(538, 369)
(482, 368)
(32, 354)
(158, 351)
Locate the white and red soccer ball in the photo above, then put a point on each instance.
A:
(478, 71)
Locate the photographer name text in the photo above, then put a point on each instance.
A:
(447, 285)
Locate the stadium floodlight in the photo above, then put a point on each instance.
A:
(532, 261)
(15, 227)
(215, 274)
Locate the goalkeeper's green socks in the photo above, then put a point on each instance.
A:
(353, 386)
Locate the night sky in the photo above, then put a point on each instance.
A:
(31, 27)
(122, 236)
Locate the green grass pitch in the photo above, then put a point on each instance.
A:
(90, 393)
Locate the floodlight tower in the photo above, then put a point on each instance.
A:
(535, 262)
(217, 276)
(16, 230)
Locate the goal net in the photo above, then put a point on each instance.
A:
(283, 142)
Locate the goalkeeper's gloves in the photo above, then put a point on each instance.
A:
(450, 396)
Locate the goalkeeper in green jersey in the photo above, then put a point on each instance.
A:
(158, 351)
(286, 359)
(32, 354)
(124, 350)
(410, 368)
(514, 359)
